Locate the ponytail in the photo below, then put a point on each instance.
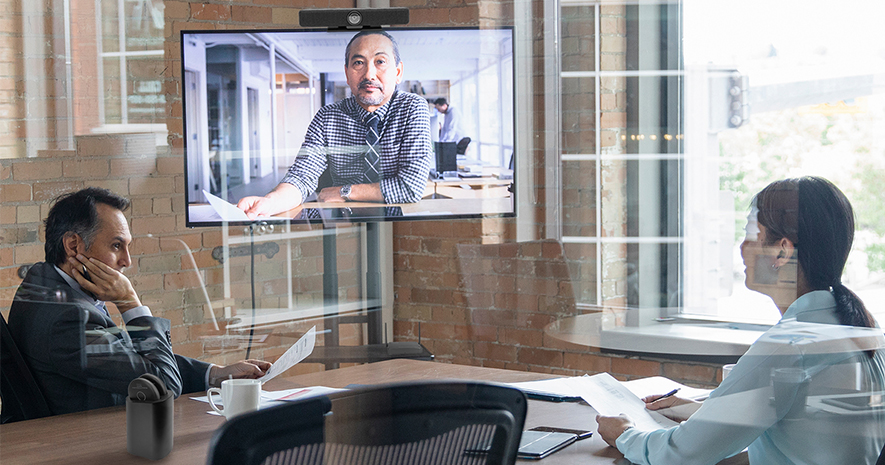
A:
(850, 309)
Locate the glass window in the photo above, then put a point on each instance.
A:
(674, 114)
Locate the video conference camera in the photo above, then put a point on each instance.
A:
(353, 18)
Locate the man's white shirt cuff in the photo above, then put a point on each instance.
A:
(137, 312)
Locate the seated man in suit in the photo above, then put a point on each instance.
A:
(58, 318)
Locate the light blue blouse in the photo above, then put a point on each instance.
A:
(742, 411)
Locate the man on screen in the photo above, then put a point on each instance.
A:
(375, 144)
(450, 130)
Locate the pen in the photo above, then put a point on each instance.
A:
(668, 394)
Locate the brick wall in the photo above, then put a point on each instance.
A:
(464, 283)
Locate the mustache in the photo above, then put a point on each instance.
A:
(368, 82)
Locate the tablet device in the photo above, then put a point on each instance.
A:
(533, 445)
(536, 445)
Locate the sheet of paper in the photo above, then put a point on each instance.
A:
(228, 211)
(298, 352)
(610, 398)
(658, 385)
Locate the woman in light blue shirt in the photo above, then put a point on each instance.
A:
(810, 390)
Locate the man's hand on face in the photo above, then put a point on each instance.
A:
(104, 282)
(246, 369)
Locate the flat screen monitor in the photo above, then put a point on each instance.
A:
(446, 156)
(249, 97)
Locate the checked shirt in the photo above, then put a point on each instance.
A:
(336, 138)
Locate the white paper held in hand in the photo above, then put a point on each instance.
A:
(226, 210)
(611, 398)
(298, 352)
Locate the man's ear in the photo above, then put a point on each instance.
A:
(786, 249)
(73, 244)
(399, 72)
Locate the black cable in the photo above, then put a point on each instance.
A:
(252, 255)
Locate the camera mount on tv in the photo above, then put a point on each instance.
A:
(353, 18)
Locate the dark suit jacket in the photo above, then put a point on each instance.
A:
(80, 358)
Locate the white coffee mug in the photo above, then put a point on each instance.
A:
(726, 370)
(237, 396)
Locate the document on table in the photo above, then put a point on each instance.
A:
(298, 352)
(611, 398)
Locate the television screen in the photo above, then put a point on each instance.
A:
(252, 119)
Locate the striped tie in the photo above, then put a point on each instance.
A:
(372, 170)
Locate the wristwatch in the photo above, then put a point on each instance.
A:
(345, 192)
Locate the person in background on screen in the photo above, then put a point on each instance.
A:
(376, 143)
(61, 325)
(799, 234)
(450, 130)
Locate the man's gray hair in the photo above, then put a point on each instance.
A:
(368, 32)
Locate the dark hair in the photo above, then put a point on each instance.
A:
(817, 217)
(75, 212)
(369, 32)
(441, 101)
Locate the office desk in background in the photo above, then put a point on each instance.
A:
(99, 436)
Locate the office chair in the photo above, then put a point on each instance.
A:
(22, 398)
(428, 423)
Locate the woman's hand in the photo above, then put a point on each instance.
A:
(611, 428)
(674, 408)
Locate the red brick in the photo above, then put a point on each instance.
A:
(689, 372)
(493, 317)
(635, 367)
(522, 337)
(587, 363)
(543, 357)
(428, 16)
(35, 169)
(477, 332)
(29, 253)
(44, 191)
(464, 15)
(251, 14)
(176, 10)
(6, 254)
(9, 277)
(89, 168)
(210, 12)
(494, 351)
(155, 226)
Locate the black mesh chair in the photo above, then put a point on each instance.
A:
(22, 398)
(438, 423)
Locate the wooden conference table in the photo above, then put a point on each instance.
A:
(99, 436)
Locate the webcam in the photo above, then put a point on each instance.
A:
(149, 416)
(353, 18)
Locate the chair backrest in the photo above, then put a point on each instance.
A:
(428, 423)
(22, 398)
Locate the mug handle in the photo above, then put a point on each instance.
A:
(211, 402)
